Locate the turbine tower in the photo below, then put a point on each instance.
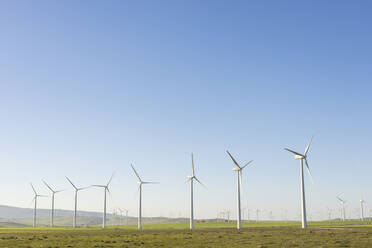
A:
(76, 198)
(35, 204)
(238, 169)
(106, 189)
(303, 157)
(361, 208)
(140, 182)
(191, 179)
(52, 209)
(342, 207)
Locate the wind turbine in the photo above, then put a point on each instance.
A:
(191, 179)
(342, 207)
(76, 194)
(238, 169)
(361, 208)
(106, 189)
(35, 202)
(140, 182)
(303, 157)
(52, 210)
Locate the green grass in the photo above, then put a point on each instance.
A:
(261, 234)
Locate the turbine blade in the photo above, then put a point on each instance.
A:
(150, 182)
(236, 163)
(247, 164)
(110, 179)
(84, 188)
(33, 188)
(192, 160)
(296, 153)
(58, 191)
(48, 186)
(200, 182)
(73, 185)
(136, 173)
(308, 145)
(339, 199)
(308, 170)
(97, 185)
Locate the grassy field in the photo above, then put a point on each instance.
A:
(262, 234)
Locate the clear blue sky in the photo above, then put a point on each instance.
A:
(88, 87)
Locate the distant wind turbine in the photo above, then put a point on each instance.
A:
(140, 182)
(121, 216)
(52, 209)
(329, 213)
(126, 215)
(191, 179)
(303, 157)
(106, 189)
(238, 169)
(76, 198)
(35, 202)
(342, 207)
(361, 208)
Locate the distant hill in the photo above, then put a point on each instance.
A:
(18, 217)
(9, 212)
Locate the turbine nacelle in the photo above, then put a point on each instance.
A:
(299, 157)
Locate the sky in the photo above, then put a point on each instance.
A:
(89, 87)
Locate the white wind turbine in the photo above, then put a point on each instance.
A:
(52, 209)
(303, 157)
(342, 207)
(106, 189)
(238, 169)
(35, 202)
(361, 208)
(76, 197)
(191, 179)
(140, 182)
